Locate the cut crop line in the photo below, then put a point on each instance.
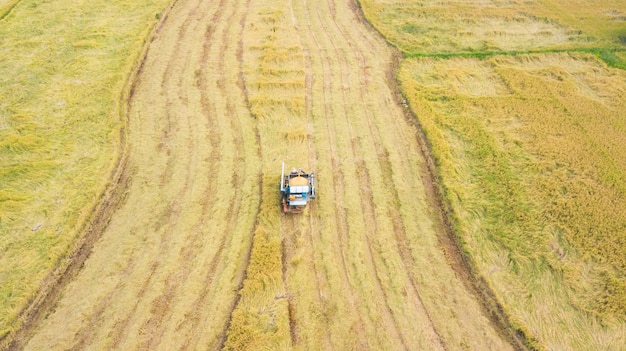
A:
(155, 322)
(311, 220)
(192, 249)
(399, 230)
(367, 210)
(153, 326)
(598, 52)
(243, 268)
(338, 178)
(289, 229)
(370, 220)
(306, 234)
(209, 111)
(337, 175)
(237, 179)
(336, 166)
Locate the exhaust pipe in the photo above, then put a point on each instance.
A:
(282, 179)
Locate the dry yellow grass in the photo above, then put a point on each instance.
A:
(530, 152)
(273, 72)
(6, 6)
(165, 273)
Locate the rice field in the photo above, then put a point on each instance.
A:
(196, 254)
(497, 26)
(150, 134)
(6, 6)
(529, 150)
(60, 123)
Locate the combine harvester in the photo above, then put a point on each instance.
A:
(297, 189)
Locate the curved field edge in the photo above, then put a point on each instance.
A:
(337, 288)
(80, 214)
(547, 256)
(6, 6)
(519, 181)
(453, 244)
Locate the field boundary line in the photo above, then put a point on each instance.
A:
(471, 277)
(605, 55)
(6, 10)
(243, 273)
(108, 201)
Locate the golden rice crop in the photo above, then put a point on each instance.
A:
(63, 68)
(530, 154)
(528, 151)
(6, 6)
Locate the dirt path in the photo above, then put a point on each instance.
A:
(363, 268)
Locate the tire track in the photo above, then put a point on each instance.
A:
(385, 168)
(298, 241)
(344, 86)
(186, 252)
(362, 49)
(237, 181)
(367, 199)
(353, 55)
(169, 271)
(335, 191)
(215, 51)
(161, 305)
(343, 229)
(290, 233)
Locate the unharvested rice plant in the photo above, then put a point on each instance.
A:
(63, 66)
(424, 27)
(195, 252)
(6, 6)
(529, 150)
(531, 154)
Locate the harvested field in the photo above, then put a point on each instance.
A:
(198, 254)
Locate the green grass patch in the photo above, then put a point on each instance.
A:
(63, 67)
(449, 27)
(615, 58)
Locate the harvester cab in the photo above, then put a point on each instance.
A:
(297, 188)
